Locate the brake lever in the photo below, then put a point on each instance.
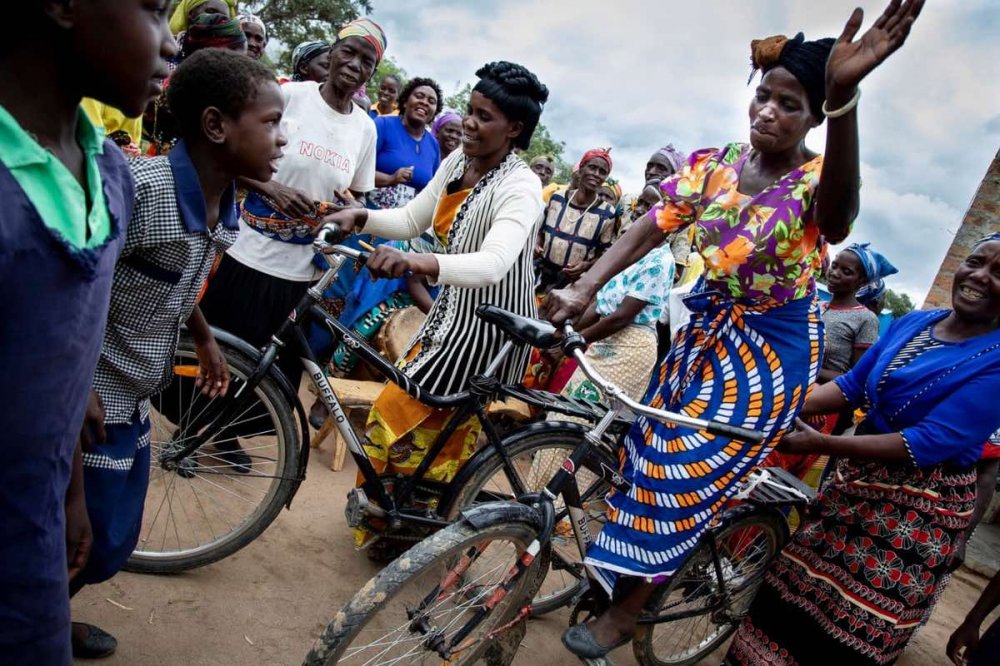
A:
(572, 341)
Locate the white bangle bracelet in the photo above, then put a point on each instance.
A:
(844, 110)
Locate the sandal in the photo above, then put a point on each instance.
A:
(97, 644)
(579, 641)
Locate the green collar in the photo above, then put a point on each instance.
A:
(20, 148)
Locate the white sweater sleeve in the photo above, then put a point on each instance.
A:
(415, 217)
(514, 217)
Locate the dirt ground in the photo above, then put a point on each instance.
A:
(266, 604)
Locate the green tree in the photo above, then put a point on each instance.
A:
(542, 142)
(459, 100)
(897, 304)
(295, 21)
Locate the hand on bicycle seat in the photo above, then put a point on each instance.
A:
(561, 305)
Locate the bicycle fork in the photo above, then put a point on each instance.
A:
(457, 644)
(562, 483)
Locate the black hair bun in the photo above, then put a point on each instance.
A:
(515, 79)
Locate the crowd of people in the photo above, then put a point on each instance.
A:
(175, 178)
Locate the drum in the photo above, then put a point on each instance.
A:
(396, 334)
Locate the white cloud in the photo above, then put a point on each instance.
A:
(636, 74)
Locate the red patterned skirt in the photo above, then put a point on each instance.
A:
(860, 575)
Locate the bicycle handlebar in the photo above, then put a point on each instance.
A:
(573, 345)
(326, 243)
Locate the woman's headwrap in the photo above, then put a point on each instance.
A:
(304, 53)
(368, 30)
(615, 187)
(212, 31)
(253, 18)
(806, 61)
(995, 236)
(876, 268)
(447, 116)
(675, 157)
(603, 153)
(179, 19)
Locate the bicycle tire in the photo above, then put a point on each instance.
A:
(696, 581)
(213, 488)
(389, 589)
(521, 449)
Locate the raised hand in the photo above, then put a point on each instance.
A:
(851, 61)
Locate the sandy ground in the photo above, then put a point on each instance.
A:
(266, 604)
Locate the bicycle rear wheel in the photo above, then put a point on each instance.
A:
(217, 502)
(698, 614)
(398, 616)
(536, 458)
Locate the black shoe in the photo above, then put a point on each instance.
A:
(579, 641)
(231, 452)
(318, 414)
(97, 644)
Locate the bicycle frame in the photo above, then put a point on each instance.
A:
(563, 483)
(291, 333)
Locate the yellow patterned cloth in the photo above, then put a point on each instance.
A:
(400, 432)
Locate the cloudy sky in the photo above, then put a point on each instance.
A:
(637, 74)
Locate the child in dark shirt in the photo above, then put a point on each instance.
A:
(67, 196)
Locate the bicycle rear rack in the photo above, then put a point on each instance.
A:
(773, 486)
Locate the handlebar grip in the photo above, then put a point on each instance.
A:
(573, 342)
(734, 432)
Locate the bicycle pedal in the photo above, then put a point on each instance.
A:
(358, 508)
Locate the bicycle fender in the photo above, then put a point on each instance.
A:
(738, 513)
(481, 516)
(480, 457)
(254, 354)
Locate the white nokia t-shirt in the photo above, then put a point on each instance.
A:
(327, 152)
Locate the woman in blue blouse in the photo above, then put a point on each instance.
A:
(865, 568)
(407, 154)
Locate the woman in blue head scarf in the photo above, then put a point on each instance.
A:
(855, 279)
(876, 268)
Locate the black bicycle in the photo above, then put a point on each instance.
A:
(457, 593)
(205, 502)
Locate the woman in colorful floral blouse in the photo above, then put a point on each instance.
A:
(753, 346)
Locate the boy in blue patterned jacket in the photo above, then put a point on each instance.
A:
(228, 110)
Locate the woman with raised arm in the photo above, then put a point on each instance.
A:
(866, 566)
(483, 205)
(761, 213)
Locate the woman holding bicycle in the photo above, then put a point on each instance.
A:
(483, 205)
(761, 213)
(866, 567)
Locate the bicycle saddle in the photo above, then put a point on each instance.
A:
(532, 332)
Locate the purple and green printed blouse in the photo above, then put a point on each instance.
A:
(766, 246)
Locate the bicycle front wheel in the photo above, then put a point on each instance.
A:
(417, 604)
(231, 488)
(535, 459)
(695, 613)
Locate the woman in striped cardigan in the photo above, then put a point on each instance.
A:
(483, 205)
